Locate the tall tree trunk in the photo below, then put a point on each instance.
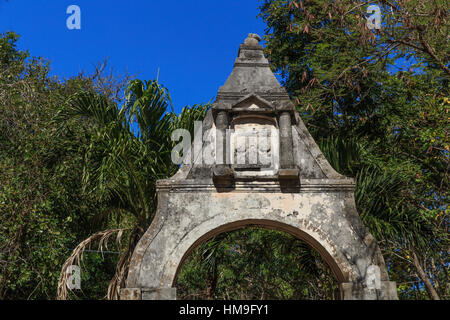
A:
(422, 275)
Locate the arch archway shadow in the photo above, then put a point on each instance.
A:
(270, 225)
(255, 262)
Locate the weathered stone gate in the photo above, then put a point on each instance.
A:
(298, 192)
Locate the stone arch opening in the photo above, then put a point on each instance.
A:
(270, 225)
(228, 261)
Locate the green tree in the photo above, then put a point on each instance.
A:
(347, 84)
(129, 150)
(43, 213)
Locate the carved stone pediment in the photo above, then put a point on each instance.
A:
(253, 103)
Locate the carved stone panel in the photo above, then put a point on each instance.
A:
(254, 146)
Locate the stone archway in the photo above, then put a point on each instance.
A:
(298, 192)
(273, 225)
(244, 241)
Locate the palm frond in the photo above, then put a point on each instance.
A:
(341, 153)
(76, 258)
(384, 210)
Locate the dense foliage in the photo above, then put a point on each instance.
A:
(43, 212)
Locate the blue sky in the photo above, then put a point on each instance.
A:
(193, 43)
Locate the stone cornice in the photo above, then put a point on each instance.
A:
(233, 96)
(268, 184)
(251, 64)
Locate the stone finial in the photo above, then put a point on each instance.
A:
(252, 39)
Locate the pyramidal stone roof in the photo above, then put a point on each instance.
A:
(252, 83)
(252, 76)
